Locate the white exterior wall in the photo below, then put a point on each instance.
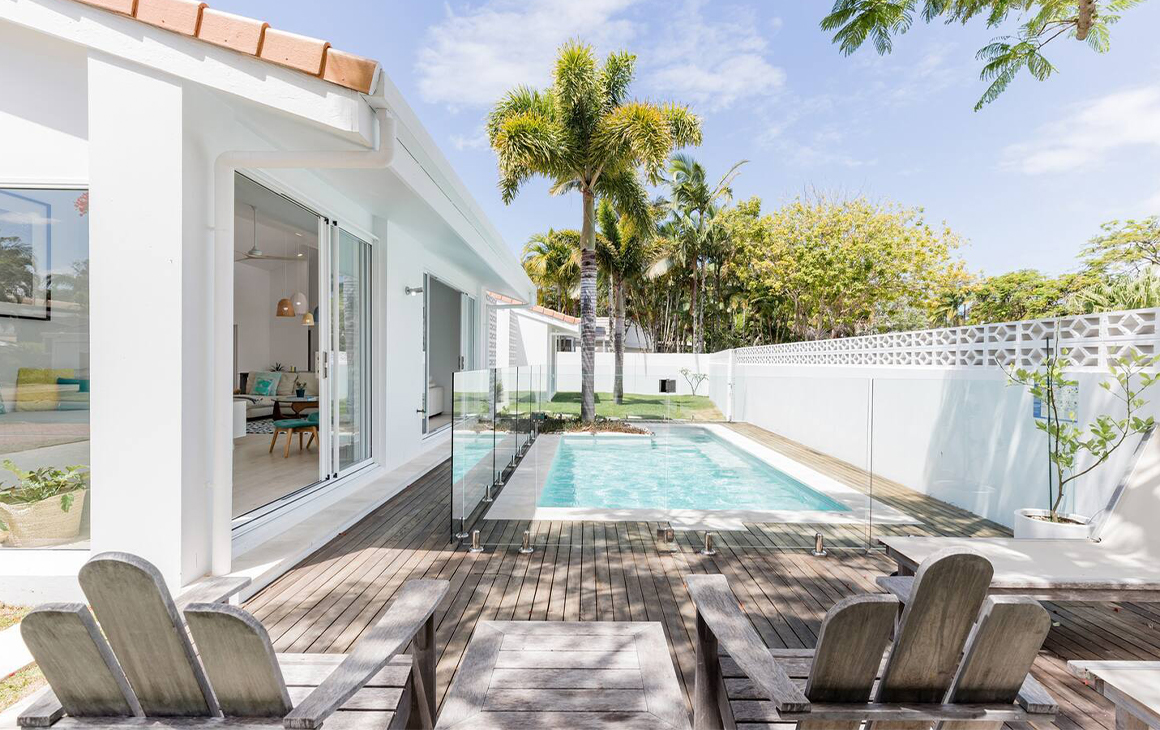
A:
(145, 142)
(960, 434)
(642, 371)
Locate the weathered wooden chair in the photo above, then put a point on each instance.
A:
(140, 664)
(956, 657)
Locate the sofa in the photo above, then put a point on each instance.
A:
(259, 406)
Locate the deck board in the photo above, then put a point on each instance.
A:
(604, 571)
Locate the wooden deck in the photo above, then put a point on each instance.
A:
(597, 571)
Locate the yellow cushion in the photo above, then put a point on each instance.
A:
(36, 388)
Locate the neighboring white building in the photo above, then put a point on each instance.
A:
(635, 339)
(190, 197)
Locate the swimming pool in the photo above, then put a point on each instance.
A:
(680, 468)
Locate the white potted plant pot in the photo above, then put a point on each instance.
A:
(42, 523)
(1036, 524)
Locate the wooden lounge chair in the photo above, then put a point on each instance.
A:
(140, 668)
(957, 656)
(1121, 562)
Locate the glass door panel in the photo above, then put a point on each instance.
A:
(350, 380)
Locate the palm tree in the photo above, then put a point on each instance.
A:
(626, 254)
(17, 270)
(695, 206)
(585, 135)
(552, 261)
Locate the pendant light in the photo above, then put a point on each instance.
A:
(285, 308)
(254, 251)
(299, 301)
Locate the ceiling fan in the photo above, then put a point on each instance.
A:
(257, 254)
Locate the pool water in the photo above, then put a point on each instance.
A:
(469, 448)
(683, 467)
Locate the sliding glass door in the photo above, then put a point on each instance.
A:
(350, 372)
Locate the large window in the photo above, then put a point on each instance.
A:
(44, 368)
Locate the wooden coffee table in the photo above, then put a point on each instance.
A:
(1133, 686)
(296, 404)
(566, 674)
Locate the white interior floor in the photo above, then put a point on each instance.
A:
(262, 476)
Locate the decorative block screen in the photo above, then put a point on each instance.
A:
(1088, 341)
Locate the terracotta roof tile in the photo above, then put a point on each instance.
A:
(124, 7)
(349, 70)
(503, 298)
(296, 51)
(179, 16)
(252, 37)
(232, 31)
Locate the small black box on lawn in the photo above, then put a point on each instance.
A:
(668, 385)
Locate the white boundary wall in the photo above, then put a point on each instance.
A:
(932, 409)
(642, 371)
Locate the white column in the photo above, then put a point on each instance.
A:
(135, 233)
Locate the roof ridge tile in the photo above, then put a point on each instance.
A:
(252, 37)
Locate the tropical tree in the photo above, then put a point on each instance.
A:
(1122, 292)
(1022, 294)
(1041, 21)
(585, 135)
(552, 262)
(833, 268)
(625, 252)
(1125, 247)
(17, 270)
(695, 204)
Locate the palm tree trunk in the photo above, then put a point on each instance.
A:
(588, 311)
(618, 343)
(695, 308)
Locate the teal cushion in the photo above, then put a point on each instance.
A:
(313, 417)
(266, 383)
(293, 423)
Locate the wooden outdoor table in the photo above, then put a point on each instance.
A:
(557, 674)
(1133, 686)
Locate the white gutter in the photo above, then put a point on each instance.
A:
(382, 155)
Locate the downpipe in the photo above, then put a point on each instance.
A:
(380, 156)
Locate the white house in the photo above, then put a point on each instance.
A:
(237, 275)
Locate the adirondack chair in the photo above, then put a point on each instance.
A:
(141, 666)
(957, 657)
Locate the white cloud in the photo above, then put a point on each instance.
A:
(477, 140)
(25, 219)
(475, 55)
(713, 63)
(1091, 131)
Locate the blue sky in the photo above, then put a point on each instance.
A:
(1026, 181)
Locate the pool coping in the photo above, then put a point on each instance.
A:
(518, 500)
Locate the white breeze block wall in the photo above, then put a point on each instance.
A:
(642, 371)
(933, 410)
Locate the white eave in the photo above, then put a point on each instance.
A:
(345, 113)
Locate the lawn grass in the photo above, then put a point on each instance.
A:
(21, 683)
(680, 407)
(10, 615)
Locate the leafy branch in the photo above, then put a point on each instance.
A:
(1066, 440)
(853, 22)
(43, 483)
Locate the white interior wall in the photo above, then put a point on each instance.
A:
(443, 338)
(252, 315)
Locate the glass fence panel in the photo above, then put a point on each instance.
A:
(473, 444)
(800, 470)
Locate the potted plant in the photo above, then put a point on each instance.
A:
(44, 506)
(1066, 440)
(299, 388)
